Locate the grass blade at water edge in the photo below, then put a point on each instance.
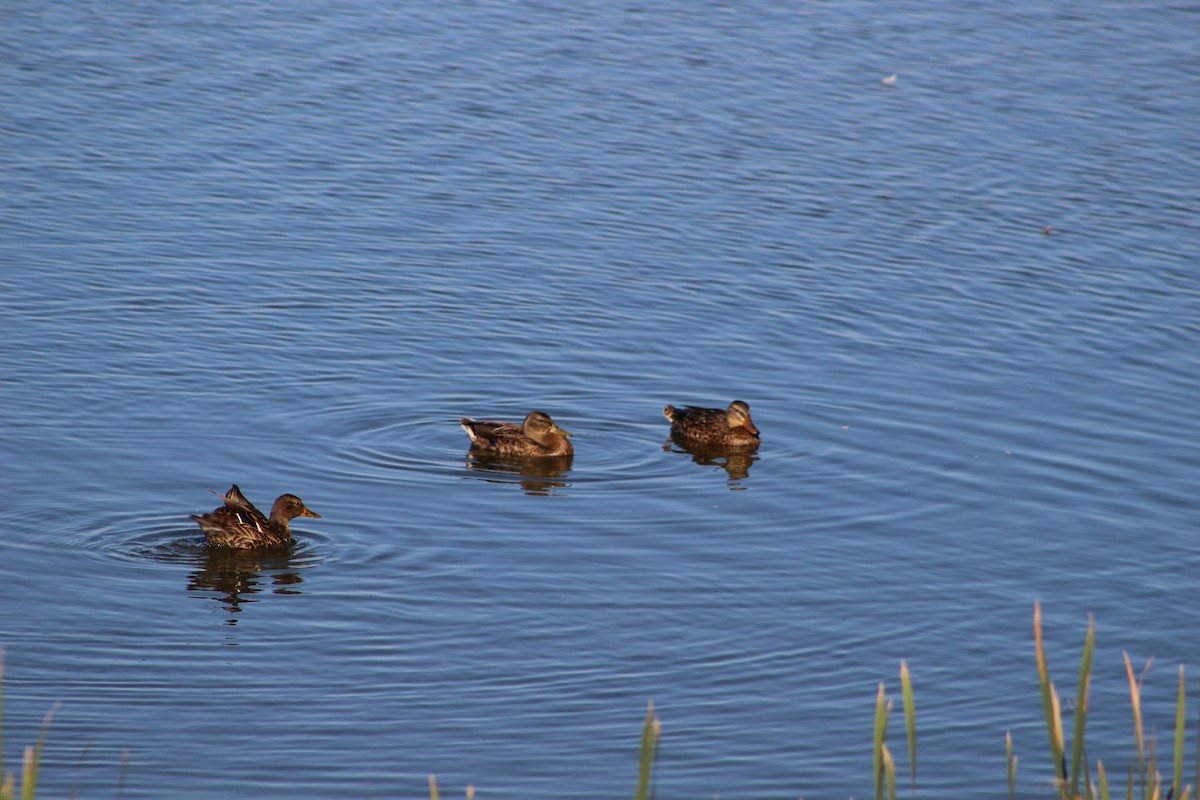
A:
(1135, 699)
(881, 719)
(125, 757)
(1081, 709)
(910, 722)
(651, 729)
(889, 768)
(1049, 698)
(28, 774)
(33, 757)
(2, 775)
(1010, 764)
(1180, 717)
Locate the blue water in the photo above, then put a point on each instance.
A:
(288, 246)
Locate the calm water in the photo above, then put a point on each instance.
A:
(289, 245)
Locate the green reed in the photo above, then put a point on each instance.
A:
(882, 759)
(1144, 780)
(32, 761)
(651, 732)
(1075, 779)
(910, 722)
(647, 754)
(1010, 763)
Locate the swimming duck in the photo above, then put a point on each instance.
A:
(536, 436)
(240, 525)
(713, 426)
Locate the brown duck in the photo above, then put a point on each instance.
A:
(729, 427)
(240, 525)
(537, 436)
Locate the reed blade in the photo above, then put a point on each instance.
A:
(2, 773)
(28, 774)
(881, 720)
(889, 768)
(1010, 764)
(33, 757)
(433, 789)
(651, 729)
(1081, 706)
(1180, 730)
(1135, 699)
(1049, 698)
(910, 721)
(125, 758)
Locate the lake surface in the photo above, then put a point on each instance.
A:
(288, 246)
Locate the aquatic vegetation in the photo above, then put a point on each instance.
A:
(647, 754)
(1074, 778)
(651, 732)
(31, 763)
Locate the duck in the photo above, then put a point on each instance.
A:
(729, 427)
(239, 525)
(536, 436)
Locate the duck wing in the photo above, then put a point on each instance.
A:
(487, 433)
(237, 513)
(237, 501)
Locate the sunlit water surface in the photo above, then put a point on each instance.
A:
(289, 246)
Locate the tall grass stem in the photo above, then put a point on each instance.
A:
(651, 729)
(1050, 705)
(1139, 740)
(2, 772)
(1081, 709)
(1180, 729)
(881, 716)
(910, 723)
(1010, 765)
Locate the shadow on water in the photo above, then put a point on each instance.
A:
(234, 577)
(736, 461)
(537, 476)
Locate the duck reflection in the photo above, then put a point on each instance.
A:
(735, 460)
(537, 476)
(234, 576)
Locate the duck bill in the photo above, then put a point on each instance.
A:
(309, 513)
(560, 431)
(751, 427)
